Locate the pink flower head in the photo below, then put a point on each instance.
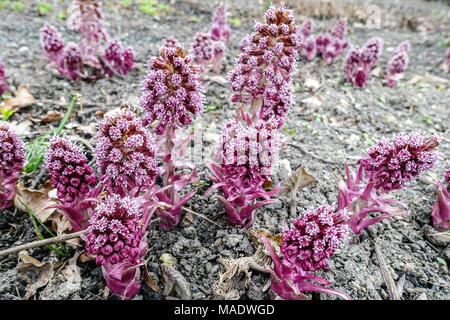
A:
(220, 30)
(371, 52)
(322, 42)
(244, 156)
(330, 47)
(307, 28)
(172, 93)
(315, 237)
(290, 282)
(397, 64)
(171, 42)
(3, 86)
(52, 42)
(71, 63)
(69, 172)
(125, 153)
(441, 209)
(340, 29)
(310, 48)
(207, 51)
(393, 164)
(403, 46)
(263, 71)
(117, 58)
(12, 159)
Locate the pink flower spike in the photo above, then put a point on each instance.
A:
(3, 85)
(12, 160)
(306, 28)
(207, 52)
(220, 30)
(441, 209)
(52, 42)
(397, 64)
(340, 29)
(125, 154)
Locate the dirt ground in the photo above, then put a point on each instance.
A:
(333, 121)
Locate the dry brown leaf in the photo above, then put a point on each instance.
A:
(51, 116)
(300, 179)
(255, 233)
(35, 199)
(72, 272)
(174, 280)
(150, 281)
(41, 273)
(22, 98)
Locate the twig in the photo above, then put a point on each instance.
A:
(110, 67)
(40, 243)
(312, 155)
(392, 289)
(201, 216)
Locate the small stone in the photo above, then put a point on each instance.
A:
(421, 296)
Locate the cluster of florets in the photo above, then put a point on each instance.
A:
(12, 159)
(245, 155)
(394, 164)
(125, 154)
(96, 49)
(360, 62)
(69, 172)
(263, 70)
(114, 232)
(330, 46)
(207, 51)
(220, 30)
(171, 42)
(315, 237)
(172, 91)
(398, 63)
(3, 86)
(118, 58)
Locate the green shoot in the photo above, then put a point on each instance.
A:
(6, 114)
(44, 8)
(36, 148)
(34, 218)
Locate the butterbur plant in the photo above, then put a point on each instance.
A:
(116, 236)
(3, 85)
(330, 46)
(172, 96)
(398, 63)
(12, 161)
(389, 166)
(305, 248)
(308, 45)
(360, 62)
(96, 55)
(441, 209)
(73, 179)
(243, 160)
(262, 75)
(220, 30)
(125, 154)
(207, 52)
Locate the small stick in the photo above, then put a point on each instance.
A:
(39, 243)
(202, 216)
(392, 289)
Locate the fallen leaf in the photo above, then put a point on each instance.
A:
(41, 273)
(22, 98)
(300, 179)
(149, 280)
(255, 233)
(51, 116)
(72, 272)
(37, 200)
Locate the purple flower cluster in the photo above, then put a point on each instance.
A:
(262, 75)
(315, 237)
(360, 62)
(330, 46)
(207, 51)
(398, 63)
(125, 154)
(171, 42)
(392, 165)
(289, 281)
(171, 92)
(3, 86)
(118, 58)
(69, 172)
(12, 160)
(96, 49)
(116, 236)
(244, 157)
(220, 30)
